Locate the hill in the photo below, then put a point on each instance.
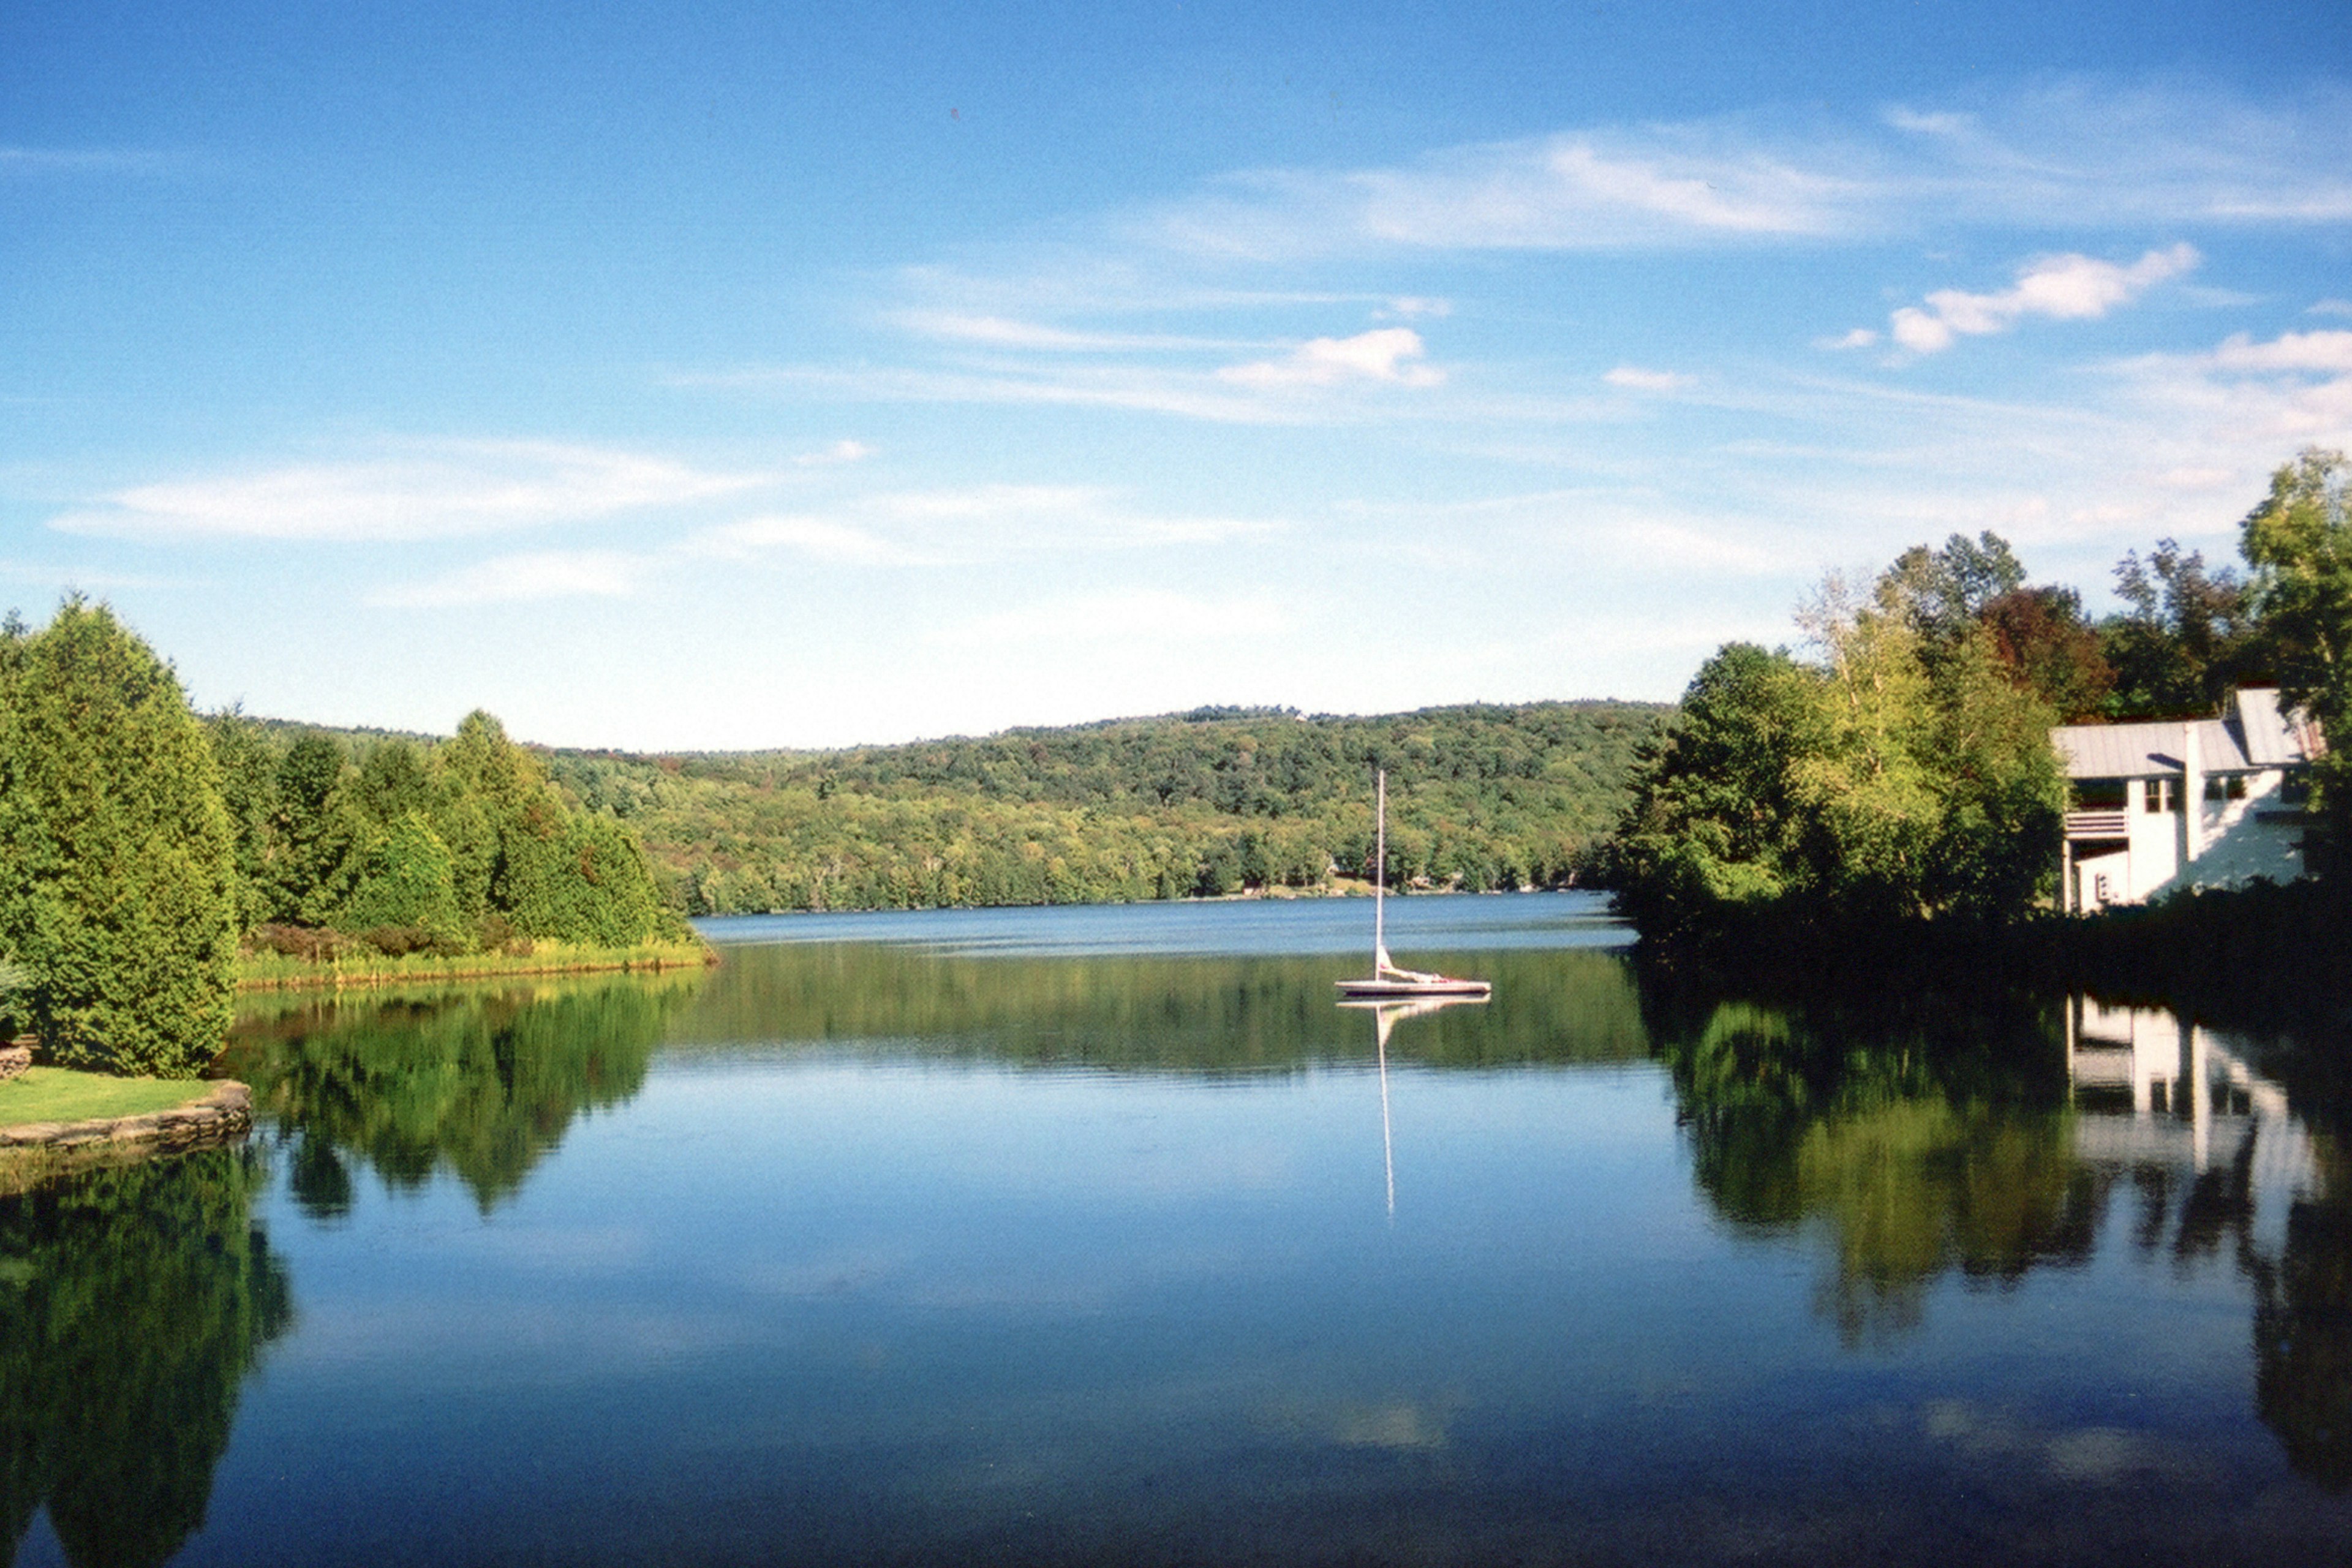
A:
(1199, 804)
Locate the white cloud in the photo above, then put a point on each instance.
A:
(1634, 378)
(1860, 338)
(447, 491)
(2196, 478)
(2062, 288)
(963, 525)
(832, 457)
(1189, 394)
(2330, 353)
(530, 575)
(1382, 356)
(1010, 332)
(2331, 308)
(1123, 619)
(1576, 190)
(817, 538)
(2077, 152)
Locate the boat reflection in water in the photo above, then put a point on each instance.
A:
(1386, 1015)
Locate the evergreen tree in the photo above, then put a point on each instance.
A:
(117, 881)
(405, 885)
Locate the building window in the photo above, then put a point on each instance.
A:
(2225, 786)
(2296, 789)
(2098, 794)
(2161, 795)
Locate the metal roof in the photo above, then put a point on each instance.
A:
(2256, 735)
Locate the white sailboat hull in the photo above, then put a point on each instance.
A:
(1389, 981)
(1405, 990)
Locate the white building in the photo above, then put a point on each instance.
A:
(2197, 803)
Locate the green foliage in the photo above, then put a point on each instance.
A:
(1906, 774)
(2184, 640)
(1941, 595)
(446, 848)
(117, 892)
(406, 882)
(2299, 544)
(1209, 803)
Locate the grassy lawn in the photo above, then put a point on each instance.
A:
(60, 1094)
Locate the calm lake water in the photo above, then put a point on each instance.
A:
(1101, 1236)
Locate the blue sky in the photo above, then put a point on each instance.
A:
(725, 377)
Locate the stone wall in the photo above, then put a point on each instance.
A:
(225, 1112)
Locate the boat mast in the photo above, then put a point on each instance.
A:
(1381, 872)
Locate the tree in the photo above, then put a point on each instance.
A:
(1877, 787)
(2183, 642)
(406, 884)
(1941, 595)
(117, 881)
(2299, 543)
(1713, 822)
(2049, 650)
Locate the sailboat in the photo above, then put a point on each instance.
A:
(1388, 979)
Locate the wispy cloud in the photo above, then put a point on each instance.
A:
(974, 523)
(2060, 287)
(522, 577)
(1387, 355)
(1633, 378)
(840, 452)
(1010, 332)
(2080, 151)
(1576, 190)
(446, 492)
(891, 530)
(822, 539)
(1126, 619)
(2328, 352)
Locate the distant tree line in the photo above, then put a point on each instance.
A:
(1900, 768)
(139, 844)
(1203, 804)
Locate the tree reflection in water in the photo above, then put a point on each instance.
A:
(1919, 1147)
(132, 1302)
(482, 1082)
(2302, 1328)
(1991, 1142)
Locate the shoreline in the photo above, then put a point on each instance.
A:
(33, 1151)
(277, 973)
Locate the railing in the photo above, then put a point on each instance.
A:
(2098, 825)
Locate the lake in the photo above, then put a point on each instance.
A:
(1105, 1236)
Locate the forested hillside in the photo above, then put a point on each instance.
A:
(1200, 804)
